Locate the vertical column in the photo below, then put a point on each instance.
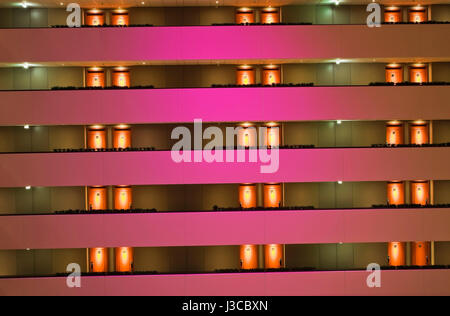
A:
(248, 254)
(124, 255)
(271, 75)
(247, 136)
(123, 200)
(394, 73)
(95, 77)
(245, 16)
(94, 18)
(97, 199)
(270, 15)
(420, 194)
(96, 137)
(273, 198)
(120, 17)
(273, 137)
(393, 15)
(418, 133)
(98, 257)
(395, 133)
(245, 75)
(272, 195)
(395, 194)
(122, 137)
(98, 260)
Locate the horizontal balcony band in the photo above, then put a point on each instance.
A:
(80, 107)
(213, 228)
(158, 167)
(202, 43)
(400, 282)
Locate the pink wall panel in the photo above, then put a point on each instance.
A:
(207, 228)
(157, 167)
(401, 282)
(227, 42)
(223, 105)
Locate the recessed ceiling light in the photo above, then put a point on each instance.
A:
(27, 187)
(339, 182)
(26, 126)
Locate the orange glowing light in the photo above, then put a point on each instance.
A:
(418, 73)
(420, 253)
(246, 140)
(97, 198)
(122, 197)
(392, 14)
(245, 15)
(95, 77)
(394, 133)
(246, 137)
(270, 15)
(95, 18)
(273, 256)
(419, 134)
(119, 18)
(420, 192)
(249, 256)
(273, 136)
(394, 73)
(271, 75)
(96, 138)
(247, 195)
(122, 137)
(121, 77)
(245, 75)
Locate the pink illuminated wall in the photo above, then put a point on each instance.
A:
(403, 282)
(157, 167)
(249, 227)
(228, 43)
(183, 105)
